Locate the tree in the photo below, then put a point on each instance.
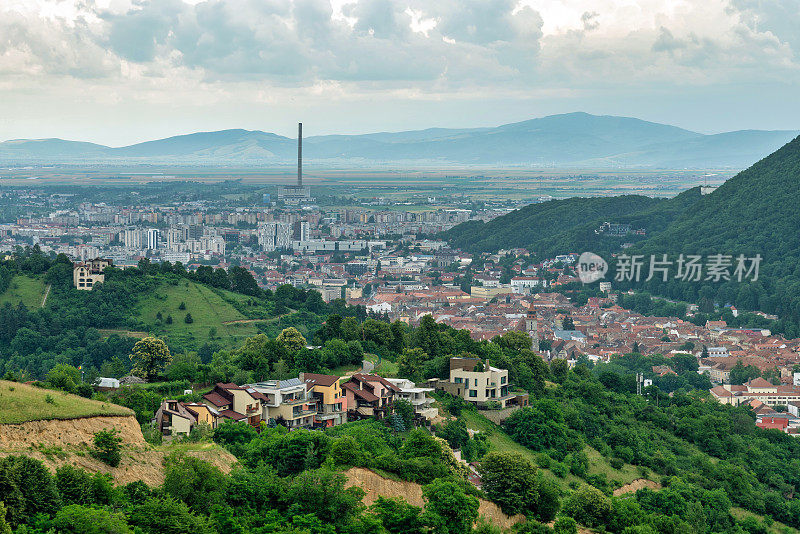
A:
(64, 377)
(397, 516)
(107, 446)
(588, 506)
(5, 528)
(292, 339)
(510, 481)
(448, 507)
(149, 357)
(455, 432)
(559, 369)
(188, 319)
(194, 481)
(741, 374)
(405, 410)
(410, 362)
(77, 519)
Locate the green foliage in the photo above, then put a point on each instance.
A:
(27, 488)
(77, 519)
(107, 446)
(588, 506)
(149, 357)
(194, 481)
(448, 507)
(541, 426)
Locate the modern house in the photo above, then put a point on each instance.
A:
(86, 274)
(416, 396)
(236, 403)
(479, 383)
(285, 402)
(330, 401)
(368, 395)
(175, 417)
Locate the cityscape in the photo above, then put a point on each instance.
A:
(399, 267)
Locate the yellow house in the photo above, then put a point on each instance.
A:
(331, 402)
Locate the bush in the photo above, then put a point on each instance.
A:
(565, 525)
(616, 463)
(107, 446)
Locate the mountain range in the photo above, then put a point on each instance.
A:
(572, 140)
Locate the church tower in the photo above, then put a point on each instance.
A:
(532, 326)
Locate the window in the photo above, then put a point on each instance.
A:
(473, 393)
(476, 382)
(459, 380)
(503, 379)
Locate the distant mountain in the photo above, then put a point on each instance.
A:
(568, 140)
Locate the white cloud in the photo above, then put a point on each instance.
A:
(266, 52)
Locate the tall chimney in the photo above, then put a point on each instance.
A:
(299, 154)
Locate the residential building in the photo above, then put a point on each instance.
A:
(329, 398)
(236, 403)
(86, 274)
(286, 402)
(175, 417)
(477, 382)
(368, 395)
(423, 405)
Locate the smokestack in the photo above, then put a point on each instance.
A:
(299, 154)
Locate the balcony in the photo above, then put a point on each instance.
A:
(302, 413)
(295, 400)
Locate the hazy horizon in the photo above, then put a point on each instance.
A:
(117, 72)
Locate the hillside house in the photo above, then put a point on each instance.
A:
(85, 275)
(286, 402)
(174, 417)
(423, 405)
(369, 396)
(330, 401)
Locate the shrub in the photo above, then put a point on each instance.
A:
(107, 445)
(565, 525)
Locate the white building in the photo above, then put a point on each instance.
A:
(153, 235)
(423, 405)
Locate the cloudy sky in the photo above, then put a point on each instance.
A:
(120, 71)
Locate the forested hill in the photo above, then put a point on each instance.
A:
(755, 212)
(569, 225)
(202, 311)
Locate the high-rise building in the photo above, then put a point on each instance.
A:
(132, 238)
(152, 238)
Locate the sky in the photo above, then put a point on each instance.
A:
(121, 71)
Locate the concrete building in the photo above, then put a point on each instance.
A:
(479, 383)
(286, 402)
(329, 398)
(86, 275)
(423, 405)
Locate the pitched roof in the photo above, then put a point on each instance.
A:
(216, 399)
(313, 379)
(230, 414)
(366, 395)
(760, 383)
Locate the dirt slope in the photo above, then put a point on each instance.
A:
(636, 485)
(61, 442)
(69, 432)
(376, 486)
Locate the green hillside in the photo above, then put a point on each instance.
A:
(25, 289)
(562, 226)
(755, 212)
(20, 403)
(212, 312)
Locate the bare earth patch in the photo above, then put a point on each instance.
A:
(636, 485)
(376, 486)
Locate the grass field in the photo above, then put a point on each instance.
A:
(25, 289)
(207, 308)
(502, 442)
(20, 403)
(775, 528)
